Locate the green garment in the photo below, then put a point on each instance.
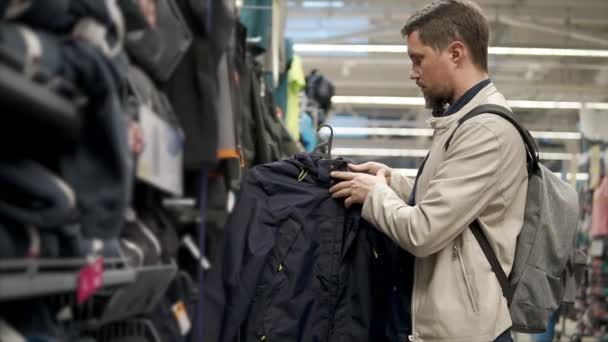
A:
(296, 82)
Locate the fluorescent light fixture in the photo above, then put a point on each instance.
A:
(428, 132)
(381, 100)
(322, 4)
(544, 104)
(397, 152)
(556, 156)
(557, 135)
(357, 48)
(407, 172)
(379, 152)
(596, 105)
(419, 101)
(581, 176)
(515, 51)
(399, 132)
(518, 51)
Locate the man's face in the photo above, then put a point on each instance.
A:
(431, 70)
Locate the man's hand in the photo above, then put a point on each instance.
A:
(372, 168)
(355, 186)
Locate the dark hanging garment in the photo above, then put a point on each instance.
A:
(100, 166)
(193, 92)
(297, 265)
(159, 50)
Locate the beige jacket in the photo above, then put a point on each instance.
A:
(456, 296)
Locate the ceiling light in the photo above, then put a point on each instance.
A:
(407, 172)
(557, 135)
(427, 132)
(515, 51)
(544, 104)
(360, 48)
(397, 152)
(556, 156)
(518, 51)
(382, 100)
(414, 173)
(596, 105)
(400, 132)
(379, 152)
(322, 4)
(419, 101)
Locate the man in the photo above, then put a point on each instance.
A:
(482, 174)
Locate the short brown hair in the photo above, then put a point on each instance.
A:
(444, 21)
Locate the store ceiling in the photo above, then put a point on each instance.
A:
(563, 24)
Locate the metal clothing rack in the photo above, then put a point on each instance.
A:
(35, 278)
(254, 7)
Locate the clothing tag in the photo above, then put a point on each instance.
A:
(230, 202)
(8, 334)
(597, 248)
(90, 280)
(65, 314)
(181, 315)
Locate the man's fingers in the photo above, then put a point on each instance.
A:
(343, 175)
(340, 186)
(348, 202)
(342, 193)
(359, 167)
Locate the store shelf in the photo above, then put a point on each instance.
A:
(21, 279)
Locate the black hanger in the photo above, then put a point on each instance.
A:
(327, 144)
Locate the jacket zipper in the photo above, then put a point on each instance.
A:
(463, 276)
(412, 337)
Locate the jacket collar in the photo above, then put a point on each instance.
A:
(444, 122)
(312, 168)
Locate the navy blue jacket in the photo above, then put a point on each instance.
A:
(297, 265)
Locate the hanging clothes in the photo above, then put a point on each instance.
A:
(308, 132)
(296, 82)
(280, 92)
(599, 214)
(192, 90)
(297, 265)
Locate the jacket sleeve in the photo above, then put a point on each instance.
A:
(401, 184)
(458, 192)
(230, 285)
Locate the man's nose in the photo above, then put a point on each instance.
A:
(414, 74)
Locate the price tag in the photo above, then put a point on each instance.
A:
(90, 279)
(181, 315)
(597, 248)
(161, 161)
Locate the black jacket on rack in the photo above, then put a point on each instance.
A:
(297, 265)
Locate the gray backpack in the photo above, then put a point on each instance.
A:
(547, 266)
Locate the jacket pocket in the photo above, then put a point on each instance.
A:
(464, 281)
(277, 274)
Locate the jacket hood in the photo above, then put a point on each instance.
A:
(312, 168)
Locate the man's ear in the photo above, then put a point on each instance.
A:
(457, 52)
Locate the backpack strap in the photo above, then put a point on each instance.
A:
(531, 148)
(481, 238)
(532, 157)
